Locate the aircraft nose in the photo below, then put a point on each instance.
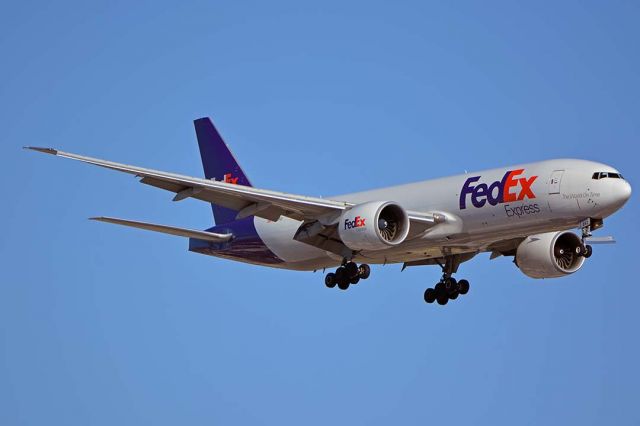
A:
(626, 191)
(622, 192)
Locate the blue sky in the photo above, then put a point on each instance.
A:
(104, 325)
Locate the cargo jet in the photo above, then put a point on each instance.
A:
(525, 211)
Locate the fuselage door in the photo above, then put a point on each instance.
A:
(554, 182)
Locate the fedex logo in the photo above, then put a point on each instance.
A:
(228, 178)
(358, 222)
(512, 187)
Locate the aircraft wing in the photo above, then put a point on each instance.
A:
(246, 200)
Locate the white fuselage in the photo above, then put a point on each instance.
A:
(481, 208)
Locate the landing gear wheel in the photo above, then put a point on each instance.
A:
(330, 280)
(463, 287)
(355, 280)
(429, 295)
(454, 295)
(342, 278)
(364, 271)
(442, 299)
(588, 251)
(451, 285)
(351, 269)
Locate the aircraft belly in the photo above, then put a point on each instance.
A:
(278, 236)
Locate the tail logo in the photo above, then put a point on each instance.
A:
(228, 178)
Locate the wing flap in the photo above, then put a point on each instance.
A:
(171, 230)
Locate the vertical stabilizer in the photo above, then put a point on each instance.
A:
(218, 163)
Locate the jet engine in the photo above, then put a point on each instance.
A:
(374, 225)
(550, 255)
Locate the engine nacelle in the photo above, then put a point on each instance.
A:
(550, 255)
(374, 225)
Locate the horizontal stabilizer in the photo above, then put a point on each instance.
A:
(601, 240)
(172, 230)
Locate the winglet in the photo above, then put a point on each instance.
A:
(39, 149)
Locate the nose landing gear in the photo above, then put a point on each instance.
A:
(587, 226)
(584, 250)
(348, 274)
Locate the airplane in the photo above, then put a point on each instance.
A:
(526, 211)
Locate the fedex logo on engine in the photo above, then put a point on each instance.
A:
(513, 187)
(358, 222)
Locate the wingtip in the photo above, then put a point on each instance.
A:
(40, 149)
(99, 218)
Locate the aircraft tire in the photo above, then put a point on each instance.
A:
(364, 271)
(463, 287)
(451, 285)
(442, 299)
(330, 280)
(429, 295)
(351, 269)
(341, 274)
(588, 251)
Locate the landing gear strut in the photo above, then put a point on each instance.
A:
(347, 274)
(587, 226)
(448, 288)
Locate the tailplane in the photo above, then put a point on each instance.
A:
(171, 230)
(219, 164)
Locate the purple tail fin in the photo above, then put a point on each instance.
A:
(219, 164)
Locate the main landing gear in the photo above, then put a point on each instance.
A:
(347, 274)
(448, 288)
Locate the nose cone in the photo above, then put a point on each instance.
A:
(619, 194)
(623, 192)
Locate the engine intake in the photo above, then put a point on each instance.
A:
(374, 225)
(550, 255)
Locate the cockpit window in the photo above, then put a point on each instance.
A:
(603, 175)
